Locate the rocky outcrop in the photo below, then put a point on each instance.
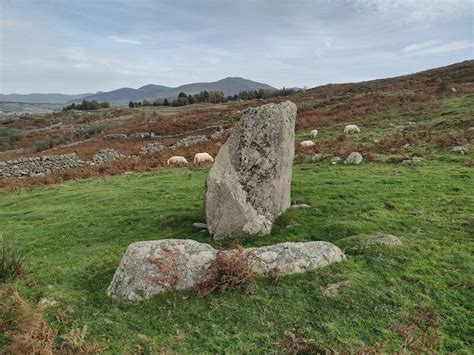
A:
(38, 166)
(153, 267)
(152, 148)
(105, 156)
(248, 186)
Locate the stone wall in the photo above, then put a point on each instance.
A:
(38, 166)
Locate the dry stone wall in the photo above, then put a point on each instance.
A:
(38, 166)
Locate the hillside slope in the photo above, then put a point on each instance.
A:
(382, 108)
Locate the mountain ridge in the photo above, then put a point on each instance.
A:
(229, 86)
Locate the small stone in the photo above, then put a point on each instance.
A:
(459, 149)
(317, 157)
(353, 158)
(335, 160)
(332, 290)
(413, 160)
(384, 239)
(200, 225)
(45, 302)
(301, 205)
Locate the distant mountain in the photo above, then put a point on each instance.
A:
(229, 86)
(122, 96)
(42, 98)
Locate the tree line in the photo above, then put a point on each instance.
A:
(87, 105)
(214, 97)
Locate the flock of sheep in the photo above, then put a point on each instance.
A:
(199, 158)
(350, 128)
(202, 158)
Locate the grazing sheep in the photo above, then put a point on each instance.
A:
(351, 128)
(177, 160)
(203, 158)
(313, 133)
(307, 144)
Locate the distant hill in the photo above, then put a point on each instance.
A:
(229, 86)
(53, 98)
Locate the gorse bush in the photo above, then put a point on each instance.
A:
(12, 261)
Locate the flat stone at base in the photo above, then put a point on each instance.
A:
(152, 267)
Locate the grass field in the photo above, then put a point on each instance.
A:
(417, 297)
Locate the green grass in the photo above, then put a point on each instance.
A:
(446, 116)
(76, 233)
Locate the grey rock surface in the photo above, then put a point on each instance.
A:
(151, 148)
(288, 258)
(335, 160)
(353, 158)
(300, 205)
(38, 166)
(107, 155)
(317, 157)
(153, 267)
(248, 186)
(459, 149)
(384, 239)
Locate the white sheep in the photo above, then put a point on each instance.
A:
(307, 144)
(178, 160)
(313, 133)
(203, 158)
(351, 128)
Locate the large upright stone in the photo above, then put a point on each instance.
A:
(249, 184)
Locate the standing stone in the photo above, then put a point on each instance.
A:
(249, 184)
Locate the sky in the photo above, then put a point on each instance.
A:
(99, 45)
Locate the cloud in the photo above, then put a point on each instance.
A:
(124, 40)
(420, 45)
(430, 47)
(414, 12)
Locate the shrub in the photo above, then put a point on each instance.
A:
(12, 261)
(229, 270)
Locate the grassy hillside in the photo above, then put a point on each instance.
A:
(415, 298)
(76, 233)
